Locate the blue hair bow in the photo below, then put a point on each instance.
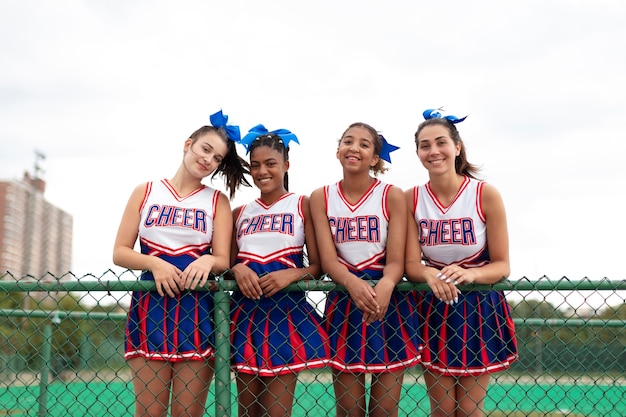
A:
(386, 149)
(436, 114)
(259, 130)
(220, 120)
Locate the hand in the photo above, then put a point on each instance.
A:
(384, 289)
(443, 289)
(166, 276)
(247, 281)
(275, 281)
(197, 272)
(456, 275)
(363, 296)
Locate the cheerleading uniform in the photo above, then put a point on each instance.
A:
(476, 335)
(177, 229)
(360, 235)
(280, 334)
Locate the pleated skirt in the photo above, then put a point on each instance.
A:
(277, 335)
(167, 328)
(472, 337)
(386, 345)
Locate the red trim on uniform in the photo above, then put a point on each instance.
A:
(214, 200)
(386, 201)
(301, 209)
(268, 206)
(444, 209)
(175, 194)
(479, 202)
(362, 200)
(146, 194)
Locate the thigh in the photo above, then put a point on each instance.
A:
(471, 393)
(277, 397)
(349, 393)
(249, 390)
(152, 382)
(385, 393)
(190, 386)
(442, 393)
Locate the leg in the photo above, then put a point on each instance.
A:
(385, 394)
(190, 387)
(442, 394)
(151, 383)
(249, 390)
(470, 393)
(277, 397)
(350, 394)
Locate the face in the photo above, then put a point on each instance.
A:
(267, 168)
(436, 150)
(205, 154)
(356, 149)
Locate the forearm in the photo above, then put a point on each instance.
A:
(417, 271)
(394, 271)
(338, 273)
(221, 263)
(131, 259)
(491, 273)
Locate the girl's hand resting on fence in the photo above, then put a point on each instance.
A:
(277, 280)
(198, 272)
(166, 276)
(443, 289)
(247, 281)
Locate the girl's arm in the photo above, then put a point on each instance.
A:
(277, 280)
(414, 268)
(362, 293)
(166, 275)
(396, 245)
(497, 242)
(197, 272)
(247, 280)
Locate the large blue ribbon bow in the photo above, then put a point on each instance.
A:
(386, 149)
(259, 130)
(436, 114)
(220, 120)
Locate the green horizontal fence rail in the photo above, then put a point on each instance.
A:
(559, 350)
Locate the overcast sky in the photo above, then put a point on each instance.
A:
(109, 91)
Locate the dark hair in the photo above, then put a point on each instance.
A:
(233, 167)
(273, 141)
(461, 164)
(379, 168)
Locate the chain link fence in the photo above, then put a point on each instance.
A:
(62, 350)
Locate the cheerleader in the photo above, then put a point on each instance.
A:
(184, 229)
(360, 224)
(275, 333)
(457, 234)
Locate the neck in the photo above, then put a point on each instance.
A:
(271, 197)
(446, 188)
(356, 183)
(184, 183)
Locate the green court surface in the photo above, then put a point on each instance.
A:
(98, 399)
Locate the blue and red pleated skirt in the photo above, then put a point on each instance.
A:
(386, 345)
(472, 337)
(276, 335)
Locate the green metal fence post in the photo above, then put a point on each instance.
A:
(222, 354)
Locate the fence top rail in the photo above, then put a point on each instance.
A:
(10, 284)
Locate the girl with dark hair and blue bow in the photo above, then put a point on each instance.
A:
(275, 333)
(458, 235)
(360, 224)
(184, 229)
